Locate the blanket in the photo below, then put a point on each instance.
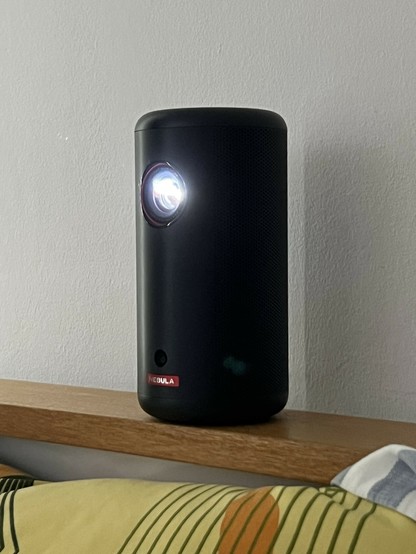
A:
(125, 516)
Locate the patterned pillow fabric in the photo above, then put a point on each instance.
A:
(123, 516)
(386, 476)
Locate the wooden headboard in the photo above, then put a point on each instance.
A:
(296, 445)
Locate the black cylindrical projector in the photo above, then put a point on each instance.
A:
(211, 205)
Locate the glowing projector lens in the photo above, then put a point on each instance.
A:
(163, 194)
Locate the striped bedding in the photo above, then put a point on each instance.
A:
(386, 476)
(357, 513)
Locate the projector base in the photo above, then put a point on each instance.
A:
(196, 414)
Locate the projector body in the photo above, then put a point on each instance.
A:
(211, 214)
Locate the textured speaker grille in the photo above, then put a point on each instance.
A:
(252, 165)
(214, 296)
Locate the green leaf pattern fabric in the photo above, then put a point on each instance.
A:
(123, 516)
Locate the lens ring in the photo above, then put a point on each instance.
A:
(163, 194)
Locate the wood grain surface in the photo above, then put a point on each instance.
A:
(293, 445)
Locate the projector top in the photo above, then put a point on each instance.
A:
(210, 117)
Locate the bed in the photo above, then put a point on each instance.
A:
(86, 471)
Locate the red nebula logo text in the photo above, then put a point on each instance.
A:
(163, 380)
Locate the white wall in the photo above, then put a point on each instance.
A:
(75, 77)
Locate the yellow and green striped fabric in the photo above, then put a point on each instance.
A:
(122, 516)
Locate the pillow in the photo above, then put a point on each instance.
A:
(122, 516)
(386, 476)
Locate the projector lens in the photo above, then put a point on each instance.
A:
(163, 194)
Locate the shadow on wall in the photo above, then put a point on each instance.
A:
(352, 282)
